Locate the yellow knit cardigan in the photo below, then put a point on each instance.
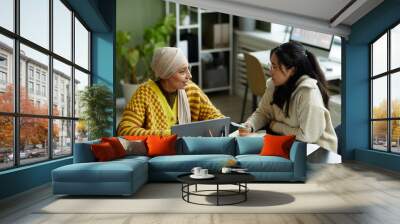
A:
(148, 112)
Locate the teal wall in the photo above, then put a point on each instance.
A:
(355, 111)
(24, 178)
(99, 15)
(103, 56)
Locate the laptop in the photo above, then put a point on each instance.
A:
(207, 128)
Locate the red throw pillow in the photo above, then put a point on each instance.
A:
(103, 151)
(161, 145)
(116, 145)
(275, 145)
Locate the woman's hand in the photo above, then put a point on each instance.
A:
(247, 126)
(245, 129)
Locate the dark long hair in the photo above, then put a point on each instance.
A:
(294, 54)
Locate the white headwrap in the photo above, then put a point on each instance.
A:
(166, 61)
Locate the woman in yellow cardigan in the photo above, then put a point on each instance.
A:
(171, 99)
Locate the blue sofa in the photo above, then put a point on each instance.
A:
(125, 176)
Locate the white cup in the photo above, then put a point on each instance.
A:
(203, 172)
(196, 170)
(226, 170)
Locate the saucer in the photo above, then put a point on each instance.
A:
(208, 176)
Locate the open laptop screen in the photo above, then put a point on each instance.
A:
(215, 128)
(312, 38)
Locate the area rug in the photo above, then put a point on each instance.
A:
(167, 198)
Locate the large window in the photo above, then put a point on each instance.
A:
(44, 64)
(385, 92)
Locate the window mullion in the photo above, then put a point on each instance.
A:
(50, 81)
(371, 92)
(16, 70)
(73, 82)
(389, 106)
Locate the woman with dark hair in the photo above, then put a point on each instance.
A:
(295, 101)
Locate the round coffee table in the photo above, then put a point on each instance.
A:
(238, 179)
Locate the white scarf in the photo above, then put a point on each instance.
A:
(183, 108)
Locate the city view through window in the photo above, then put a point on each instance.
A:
(385, 82)
(39, 114)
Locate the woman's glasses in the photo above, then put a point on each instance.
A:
(186, 70)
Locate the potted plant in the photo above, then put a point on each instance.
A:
(127, 59)
(153, 38)
(96, 102)
(133, 63)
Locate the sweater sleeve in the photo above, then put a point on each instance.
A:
(311, 114)
(133, 117)
(207, 109)
(263, 114)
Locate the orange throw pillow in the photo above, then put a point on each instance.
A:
(103, 151)
(161, 145)
(116, 145)
(275, 145)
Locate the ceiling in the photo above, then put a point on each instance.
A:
(322, 9)
(326, 16)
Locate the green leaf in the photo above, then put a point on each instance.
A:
(96, 102)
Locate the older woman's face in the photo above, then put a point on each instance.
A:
(279, 73)
(180, 79)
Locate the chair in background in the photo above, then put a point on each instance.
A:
(255, 80)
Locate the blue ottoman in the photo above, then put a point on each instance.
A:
(118, 177)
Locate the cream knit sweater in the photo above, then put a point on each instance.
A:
(308, 118)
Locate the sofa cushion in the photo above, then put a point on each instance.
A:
(257, 163)
(185, 163)
(130, 158)
(207, 145)
(111, 171)
(249, 145)
(83, 152)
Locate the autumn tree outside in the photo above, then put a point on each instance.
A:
(33, 131)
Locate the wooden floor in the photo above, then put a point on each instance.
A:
(378, 188)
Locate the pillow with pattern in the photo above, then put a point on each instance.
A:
(134, 147)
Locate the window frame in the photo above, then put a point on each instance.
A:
(3, 77)
(5, 58)
(16, 114)
(388, 74)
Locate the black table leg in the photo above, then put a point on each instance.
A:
(217, 194)
(245, 193)
(182, 190)
(242, 191)
(188, 190)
